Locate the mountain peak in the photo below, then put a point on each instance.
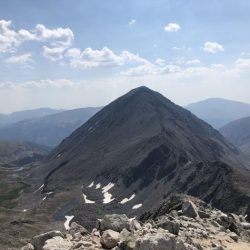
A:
(141, 89)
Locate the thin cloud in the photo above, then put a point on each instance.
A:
(10, 38)
(172, 27)
(53, 54)
(132, 22)
(194, 61)
(19, 59)
(213, 47)
(105, 57)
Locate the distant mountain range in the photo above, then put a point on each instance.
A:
(16, 154)
(46, 130)
(26, 114)
(134, 153)
(218, 112)
(49, 127)
(238, 132)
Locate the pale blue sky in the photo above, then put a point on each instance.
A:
(67, 54)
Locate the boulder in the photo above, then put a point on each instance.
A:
(172, 226)
(245, 225)
(203, 214)
(39, 240)
(28, 247)
(57, 243)
(114, 222)
(76, 228)
(135, 225)
(234, 236)
(110, 239)
(160, 241)
(189, 209)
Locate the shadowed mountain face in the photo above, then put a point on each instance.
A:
(147, 146)
(47, 130)
(238, 132)
(218, 112)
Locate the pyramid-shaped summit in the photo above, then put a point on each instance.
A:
(147, 148)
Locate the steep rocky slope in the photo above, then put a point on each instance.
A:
(238, 132)
(135, 152)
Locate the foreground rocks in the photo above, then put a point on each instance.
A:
(181, 223)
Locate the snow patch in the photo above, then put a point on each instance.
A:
(91, 184)
(59, 155)
(137, 206)
(107, 198)
(41, 188)
(131, 219)
(44, 198)
(86, 200)
(68, 220)
(24, 210)
(125, 200)
(98, 186)
(108, 187)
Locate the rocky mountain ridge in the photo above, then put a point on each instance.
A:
(180, 223)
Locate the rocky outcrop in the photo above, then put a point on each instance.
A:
(181, 223)
(39, 240)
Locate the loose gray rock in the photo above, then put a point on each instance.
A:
(245, 225)
(172, 226)
(135, 225)
(110, 239)
(57, 243)
(160, 241)
(114, 222)
(234, 236)
(76, 228)
(39, 240)
(28, 247)
(189, 209)
(203, 214)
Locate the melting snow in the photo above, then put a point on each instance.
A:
(40, 188)
(98, 186)
(137, 206)
(86, 199)
(24, 210)
(130, 219)
(107, 197)
(108, 187)
(44, 198)
(125, 200)
(91, 184)
(68, 219)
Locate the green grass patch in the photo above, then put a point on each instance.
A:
(9, 192)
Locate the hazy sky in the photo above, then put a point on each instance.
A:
(67, 54)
